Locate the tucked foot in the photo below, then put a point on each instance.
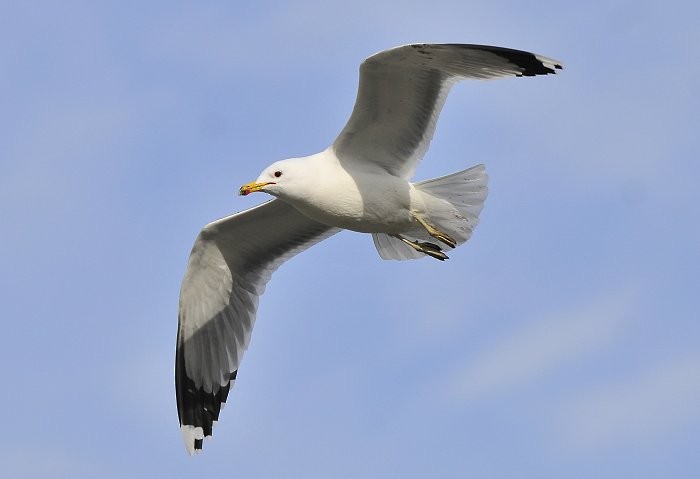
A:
(430, 249)
(436, 233)
(433, 250)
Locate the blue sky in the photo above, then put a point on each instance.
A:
(562, 341)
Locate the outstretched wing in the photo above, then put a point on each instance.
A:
(402, 91)
(230, 264)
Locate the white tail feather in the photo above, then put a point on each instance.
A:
(455, 201)
(389, 247)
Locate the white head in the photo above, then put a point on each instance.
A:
(285, 179)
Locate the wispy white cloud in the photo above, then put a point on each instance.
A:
(542, 347)
(640, 410)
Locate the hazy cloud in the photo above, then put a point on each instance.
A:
(542, 347)
(640, 409)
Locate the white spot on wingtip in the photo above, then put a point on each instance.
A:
(189, 435)
(550, 63)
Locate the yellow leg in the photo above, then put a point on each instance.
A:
(436, 233)
(430, 249)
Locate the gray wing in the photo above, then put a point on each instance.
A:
(230, 264)
(402, 91)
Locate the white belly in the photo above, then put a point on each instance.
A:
(364, 203)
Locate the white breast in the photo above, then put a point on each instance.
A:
(363, 201)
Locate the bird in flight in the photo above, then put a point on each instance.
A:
(360, 183)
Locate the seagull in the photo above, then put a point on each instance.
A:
(360, 183)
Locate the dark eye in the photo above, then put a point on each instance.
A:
(278, 174)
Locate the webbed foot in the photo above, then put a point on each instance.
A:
(424, 247)
(436, 233)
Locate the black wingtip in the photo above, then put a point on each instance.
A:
(529, 64)
(196, 407)
(533, 65)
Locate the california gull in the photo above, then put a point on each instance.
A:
(360, 183)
